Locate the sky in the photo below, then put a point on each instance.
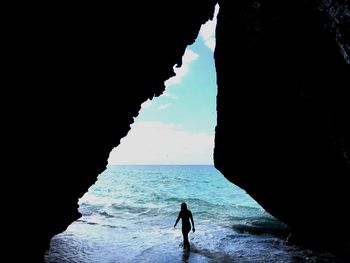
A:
(178, 126)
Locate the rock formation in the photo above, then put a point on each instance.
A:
(283, 131)
(76, 75)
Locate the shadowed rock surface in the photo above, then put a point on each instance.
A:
(283, 119)
(78, 73)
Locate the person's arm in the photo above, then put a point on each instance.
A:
(191, 217)
(177, 220)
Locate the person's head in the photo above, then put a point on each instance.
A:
(183, 206)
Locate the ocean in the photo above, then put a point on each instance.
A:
(129, 213)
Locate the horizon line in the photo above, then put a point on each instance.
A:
(161, 164)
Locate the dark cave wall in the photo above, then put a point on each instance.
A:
(81, 72)
(78, 73)
(283, 128)
(338, 20)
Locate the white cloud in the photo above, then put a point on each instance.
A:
(208, 30)
(164, 106)
(151, 142)
(210, 43)
(187, 58)
(147, 104)
(166, 93)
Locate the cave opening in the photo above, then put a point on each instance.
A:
(129, 213)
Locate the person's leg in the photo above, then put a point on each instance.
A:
(185, 232)
(186, 243)
(184, 237)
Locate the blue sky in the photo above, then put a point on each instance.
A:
(178, 126)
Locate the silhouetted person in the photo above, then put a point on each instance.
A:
(185, 215)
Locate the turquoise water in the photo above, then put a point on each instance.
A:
(128, 216)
